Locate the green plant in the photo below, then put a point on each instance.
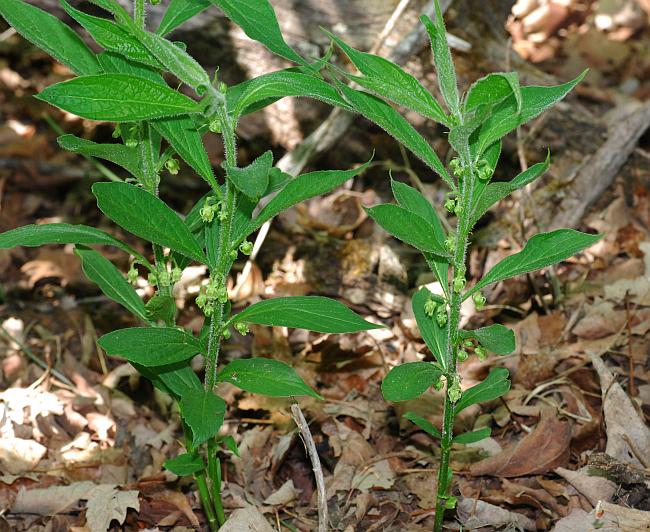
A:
(124, 84)
(491, 108)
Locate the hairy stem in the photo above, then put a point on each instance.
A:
(139, 12)
(466, 188)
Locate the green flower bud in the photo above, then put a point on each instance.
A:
(242, 328)
(212, 291)
(438, 384)
(164, 278)
(430, 307)
(450, 243)
(468, 343)
(172, 166)
(207, 213)
(233, 254)
(208, 310)
(454, 164)
(117, 132)
(154, 2)
(454, 391)
(227, 335)
(215, 126)
(450, 204)
(222, 215)
(246, 247)
(462, 355)
(177, 273)
(132, 275)
(223, 88)
(222, 296)
(458, 209)
(131, 143)
(480, 352)
(459, 284)
(152, 279)
(479, 300)
(441, 318)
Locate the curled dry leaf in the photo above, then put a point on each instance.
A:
(475, 514)
(593, 488)
(606, 518)
(628, 437)
(544, 449)
(19, 456)
(247, 519)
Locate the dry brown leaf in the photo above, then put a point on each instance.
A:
(105, 503)
(476, 514)
(605, 518)
(19, 456)
(628, 437)
(594, 488)
(283, 495)
(247, 519)
(544, 449)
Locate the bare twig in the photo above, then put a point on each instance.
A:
(310, 446)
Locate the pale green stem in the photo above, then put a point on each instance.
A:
(139, 13)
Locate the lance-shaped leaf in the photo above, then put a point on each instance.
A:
(442, 59)
(161, 307)
(178, 12)
(504, 118)
(255, 94)
(176, 379)
(258, 20)
(496, 338)
(253, 180)
(151, 346)
(146, 216)
(407, 227)
(204, 413)
(314, 313)
(117, 98)
(119, 154)
(388, 80)
(60, 233)
(424, 424)
(110, 280)
(112, 36)
(540, 251)
(472, 437)
(185, 465)
(183, 135)
(410, 380)
(386, 117)
(50, 34)
(496, 384)
(487, 194)
(176, 60)
(434, 336)
(265, 376)
(301, 188)
(492, 89)
(115, 63)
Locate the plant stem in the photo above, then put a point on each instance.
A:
(139, 13)
(204, 494)
(466, 188)
(214, 473)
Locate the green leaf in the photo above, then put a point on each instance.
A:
(176, 379)
(151, 346)
(50, 34)
(407, 227)
(117, 98)
(434, 336)
(382, 114)
(176, 60)
(496, 338)
(505, 118)
(494, 88)
(185, 465)
(388, 80)
(258, 20)
(112, 36)
(265, 376)
(472, 437)
(119, 154)
(540, 251)
(110, 280)
(229, 442)
(38, 235)
(146, 216)
(162, 308)
(424, 424)
(496, 384)
(204, 413)
(491, 193)
(183, 136)
(257, 93)
(252, 180)
(180, 11)
(114, 63)
(410, 380)
(442, 59)
(300, 189)
(314, 313)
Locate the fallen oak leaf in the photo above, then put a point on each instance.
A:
(105, 503)
(544, 449)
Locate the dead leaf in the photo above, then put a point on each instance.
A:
(247, 519)
(628, 437)
(605, 518)
(474, 514)
(377, 475)
(106, 503)
(52, 500)
(594, 488)
(283, 495)
(544, 449)
(19, 456)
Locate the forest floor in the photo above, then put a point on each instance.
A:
(83, 438)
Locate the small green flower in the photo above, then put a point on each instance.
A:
(173, 166)
(479, 300)
(242, 328)
(227, 335)
(132, 274)
(222, 295)
(454, 391)
(462, 355)
(450, 243)
(177, 273)
(246, 247)
(430, 307)
(215, 126)
(480, 352)
(450, 204)
(164, 278)
(152, 279)
(441, 318)
(459, 284)
(468, 343)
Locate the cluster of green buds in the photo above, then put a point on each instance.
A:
(454, 390)
(479, 300)
(437, 311)
(458, 168)
(459, 283)
(453, 205)
(246, 247)
(132, 274)
(450, 243)
(242, 328)
(479, 350)
(210, 294)
(483, 170)
(162, 277)
(210, 208)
